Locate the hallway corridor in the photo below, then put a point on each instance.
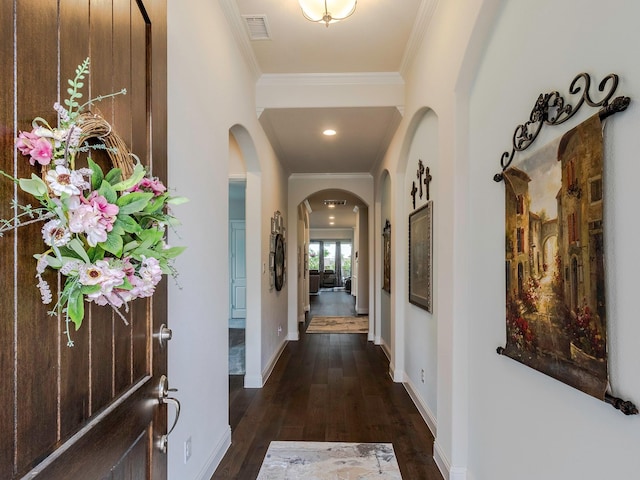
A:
(327, 387)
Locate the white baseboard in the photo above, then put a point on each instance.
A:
(425, 412)
(301, 318)
(221, 447)
(307, 308)
(444, 465)
(385, 349)
(253, 381)
(362, 311)
(293, 336)
(258, 381)
(272, 363)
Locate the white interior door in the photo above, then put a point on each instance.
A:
(238, 290)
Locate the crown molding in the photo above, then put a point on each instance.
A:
(423, 20)
(336, 176)
(234, 19)
(312, 79)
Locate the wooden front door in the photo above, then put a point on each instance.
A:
(89, 411)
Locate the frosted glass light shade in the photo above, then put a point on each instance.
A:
(327, 11)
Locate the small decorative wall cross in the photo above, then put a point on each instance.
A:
(413, 194)
(427, 181)
(419, 174)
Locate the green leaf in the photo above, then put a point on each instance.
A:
(97, 174)
(75, 307)
(113, 176)
(177, 200)
(77, 247)
(133, 202)
(125, 285)
(173, 252)
(156, 203)
(127, 223)
(34, 186)
(130, 246)
(89, 289)
(107, 191)
(137, 175)
(113, 244)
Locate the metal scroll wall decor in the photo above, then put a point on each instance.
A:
(556, 319)
(277, 252)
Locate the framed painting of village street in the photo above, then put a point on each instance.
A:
(555, 237)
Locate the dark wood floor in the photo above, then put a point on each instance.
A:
(326, 387)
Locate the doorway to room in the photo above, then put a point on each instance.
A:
(237, 278)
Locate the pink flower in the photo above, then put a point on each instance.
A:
(42, 152)
(40, 149)
(153, 185)
(108, 211)
(86, 219)
(25, 142)
(144, 284)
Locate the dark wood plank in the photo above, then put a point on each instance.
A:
(139, 146)
(37, 333)
(7, 242)
(122, 112)
(102, 318)
(327, 387)
(74, 362)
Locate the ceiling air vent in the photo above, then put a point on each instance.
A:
(257, 27)
(335, 202)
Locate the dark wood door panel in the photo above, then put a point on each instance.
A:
(98, 452)
(7, 256)
(53, 393)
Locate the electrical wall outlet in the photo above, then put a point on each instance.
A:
(187, 450)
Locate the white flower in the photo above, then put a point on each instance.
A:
(62, 180)
(101, 273)
(45, 291)
(55, 234)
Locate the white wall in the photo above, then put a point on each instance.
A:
(523, 424)
(430, 85)
(207, 96)
(421, 332)
(383, 329)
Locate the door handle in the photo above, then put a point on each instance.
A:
(163, 397)
(164, 335)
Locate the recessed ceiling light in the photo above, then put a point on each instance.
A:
(332, 223)
(332, 217)
(331, 206)
(329, 132)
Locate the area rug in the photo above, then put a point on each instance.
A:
(329, 461)
(338, 325)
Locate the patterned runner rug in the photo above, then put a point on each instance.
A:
(338, 325)
(329, 461)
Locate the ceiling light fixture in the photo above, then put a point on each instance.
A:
(329, 132)
(327, 11)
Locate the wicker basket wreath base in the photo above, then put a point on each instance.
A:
(94, 127)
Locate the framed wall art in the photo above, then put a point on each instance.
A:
(421, 257)
(277, 252)
(556, 306)
(386, 257)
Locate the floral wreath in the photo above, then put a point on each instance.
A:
(105, 232)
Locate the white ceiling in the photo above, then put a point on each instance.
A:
(379, 38)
